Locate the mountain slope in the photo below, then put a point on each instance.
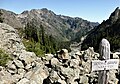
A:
(63, 28)
(10, 18)
(108, 29)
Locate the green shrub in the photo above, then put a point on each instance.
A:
(4, 58)
(33, 47)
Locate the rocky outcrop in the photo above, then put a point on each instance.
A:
(9, 40)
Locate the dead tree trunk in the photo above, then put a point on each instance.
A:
(104, 55)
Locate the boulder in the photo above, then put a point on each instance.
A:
(23, 81)
(18, 63)
(63, 54)
(30, 66)
(21, 72)
(54, 62)
(115, 55)
(5, 77)
(16, 78)
(86, 66)
(29, 74)
(61, 81)
(1, 68)
(12, 71)
(11, 68)
(27, 57)
(54, 76)
(95, 56)
(83, 79)
(38, 74)
(112, 77)
(88, 54)
(74, 63)
(70, 73)
(78, 53)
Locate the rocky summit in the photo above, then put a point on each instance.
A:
(61, 68)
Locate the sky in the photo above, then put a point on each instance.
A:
(91, 10)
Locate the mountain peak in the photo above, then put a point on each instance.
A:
(44, 9)
(115, 15)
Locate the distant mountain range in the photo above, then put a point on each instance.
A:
(109, 29)
(63, 28)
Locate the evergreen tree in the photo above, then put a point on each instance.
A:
(43, 34)
(1, 19)
(39, 42)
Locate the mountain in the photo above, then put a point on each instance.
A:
(109, 29)
(64, 28)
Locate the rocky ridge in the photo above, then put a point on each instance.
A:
(61, 68)
(108, 29)
(59, 26)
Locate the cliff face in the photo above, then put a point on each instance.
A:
(108, 29)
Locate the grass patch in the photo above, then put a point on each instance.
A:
(4, 58)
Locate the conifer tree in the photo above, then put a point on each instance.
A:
(1, 19)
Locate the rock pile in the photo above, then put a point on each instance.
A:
(62, 68)
(9, 40)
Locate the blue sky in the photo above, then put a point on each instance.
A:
(91, 10)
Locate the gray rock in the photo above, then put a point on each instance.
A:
(16, 78)
(70, 73)
(48, 56)
(74, 63)
(11, 66)
(28, 66)
(23, 81)
(87, 66)
(112, 77)
(54, 62)
(18, 63)
(54, 76)
(5, 77)
(29, 74)
(38, 74)
(27, 57)
(1, 68)
(84, 79)
(115, 55)
(96, 56)
(61, 81)
(12, 71)
(21, 72)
